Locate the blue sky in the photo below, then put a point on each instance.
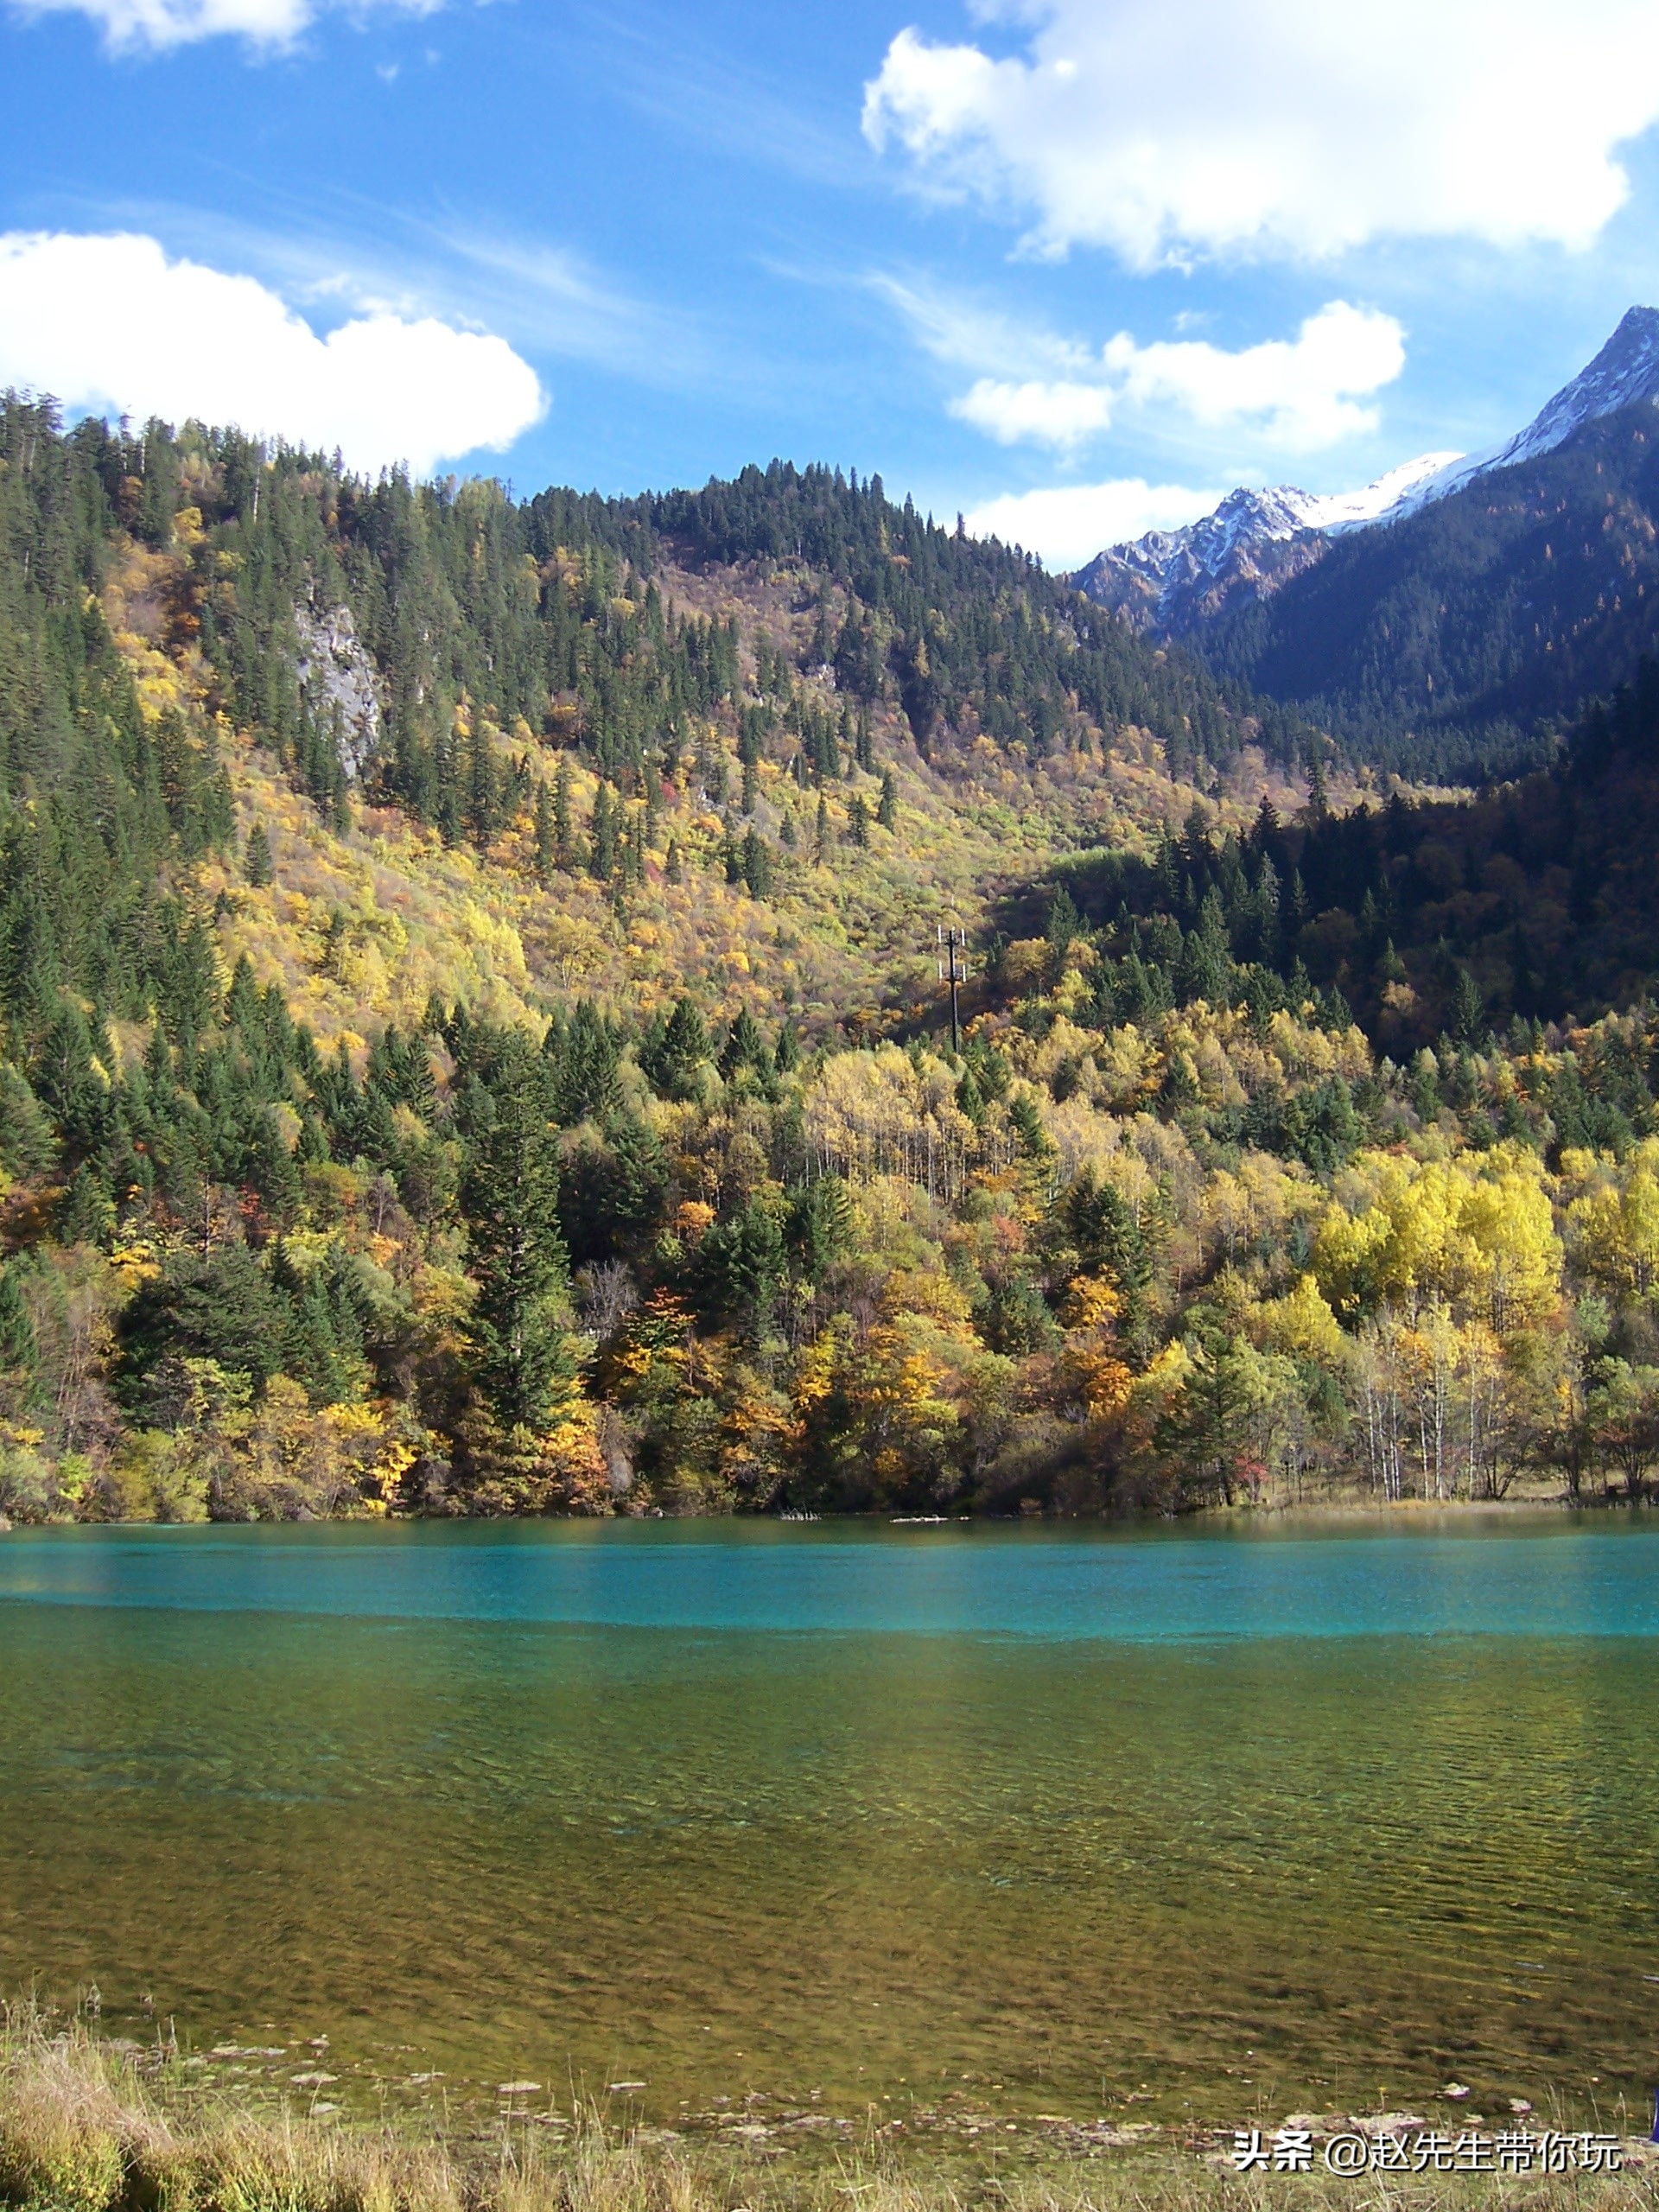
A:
(1073, 266)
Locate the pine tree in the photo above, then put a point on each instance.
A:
(602, 836)
(672, 1051)
(1469, 1008)
(256, 864)
(745, 1046)
(483, 787)
(546, 843)
(1319, 805)
(756, 865)
(19, 1352)
(509, 1199)
(823, 832)
(561, 813)
(887, 812)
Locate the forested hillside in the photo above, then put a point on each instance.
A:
(472, 1042)
(1457, 642)
(1535, 900)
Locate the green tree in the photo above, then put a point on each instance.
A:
(562, 812)
(745, 1046)
(546, 843)
(602, 837)
(672, 1052)
(1468, 1010)
(510, 1204)
(755, 862)
(19, 1350)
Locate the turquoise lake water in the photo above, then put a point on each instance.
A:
(1049, 1816)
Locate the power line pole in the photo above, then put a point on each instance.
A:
(953, 941)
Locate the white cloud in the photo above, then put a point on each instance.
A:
(1301, 392)
(1166, 129)
(110, 323)
(159, 24)
(1068, 525)
(1048, 414)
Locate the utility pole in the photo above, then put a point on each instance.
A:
(953, 941)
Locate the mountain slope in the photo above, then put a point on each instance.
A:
(1625, 372)
(469, 1039)
(504, 751)
(1455, 641)
(1438, 649)
(1539, 900)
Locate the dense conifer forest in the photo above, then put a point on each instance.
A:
(472, 1042)
(1534, 901)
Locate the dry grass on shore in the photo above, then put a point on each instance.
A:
(85, 2127)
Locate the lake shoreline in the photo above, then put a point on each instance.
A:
(97, 2124)
(1270, 1512)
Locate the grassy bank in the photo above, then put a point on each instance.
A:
(89, 2127)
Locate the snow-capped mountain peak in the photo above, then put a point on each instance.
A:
(1338, 510)
(1254, 541)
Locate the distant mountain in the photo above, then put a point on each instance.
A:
(1457, 642)
(1171, 584)
(1175, 584)
(1447, 620)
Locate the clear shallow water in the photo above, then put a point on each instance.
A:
(721, 1806)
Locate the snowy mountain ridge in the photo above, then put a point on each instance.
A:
(1171, 582)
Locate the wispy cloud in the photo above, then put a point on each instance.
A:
(721, 100)
(968, 333)
(361, 256)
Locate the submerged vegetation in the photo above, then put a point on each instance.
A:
(470, 1040)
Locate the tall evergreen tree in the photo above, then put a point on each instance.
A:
(562, 844)
(547, 847)
(510, 1199)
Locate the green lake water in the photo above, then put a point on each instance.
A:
(1044, 1818)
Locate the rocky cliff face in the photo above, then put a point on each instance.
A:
(337, 676)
